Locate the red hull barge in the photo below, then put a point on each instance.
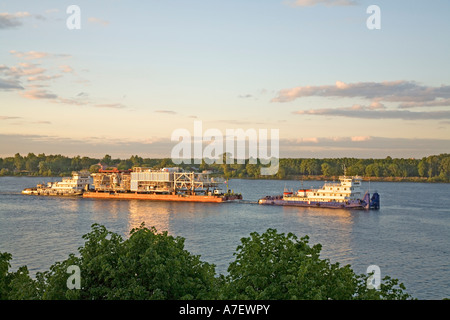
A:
(161, 197)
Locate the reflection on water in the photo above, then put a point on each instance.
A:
(70, 204)
(335, 224)
(153, 214)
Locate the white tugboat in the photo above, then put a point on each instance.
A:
(73, 186)
(345, 194)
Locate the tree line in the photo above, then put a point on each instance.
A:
(152, 265)
(434, 168)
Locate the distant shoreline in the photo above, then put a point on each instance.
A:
(294, 178)
(335, 178)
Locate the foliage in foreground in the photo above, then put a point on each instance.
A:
(152, 265)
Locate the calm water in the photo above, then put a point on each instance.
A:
(408, 238)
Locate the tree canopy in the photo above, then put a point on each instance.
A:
(431, 168)
(152, 265)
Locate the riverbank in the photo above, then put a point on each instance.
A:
(336, 178)
(293, 177)
(378, 179)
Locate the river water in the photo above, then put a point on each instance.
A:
(408, 238)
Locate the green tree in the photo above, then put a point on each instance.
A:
(15, 285)
(278, 266)
(106, 159)
(94, 168)
(148, 265)
(18, 161)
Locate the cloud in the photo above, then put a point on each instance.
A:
(12, 20)
(9, 118)
(320, 147)
(33, 55)
(43, 77)
(98, 21)
(166, 111)
(328, 3)
(38, 94)
(9, 85)
(42, 122)
(363, 112)
(439, 102)
(362, 147)
(24, 69)
(90, 146)
(111, 105)
(393, 91)
(66, 69)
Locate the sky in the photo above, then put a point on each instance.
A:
(135, 72)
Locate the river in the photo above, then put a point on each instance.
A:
(408, 238)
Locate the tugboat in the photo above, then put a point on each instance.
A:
(345, 194)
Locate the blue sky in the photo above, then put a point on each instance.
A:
(136, 71)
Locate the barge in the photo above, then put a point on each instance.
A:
(167, 184)
(345, 194)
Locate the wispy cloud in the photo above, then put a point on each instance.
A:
(165, 111)
(328, 3)
(362, 112)
(394, 91)
(8, 118)
(44, 77)
(91, 146)
(23, 69)
(10, 85)
(12, 20)
(37, 94)
(352, 146)
(66, 69)
(33, 55)
(361, 146)
(98, 21)
(406, 94)
(111, 105)
(438, 102)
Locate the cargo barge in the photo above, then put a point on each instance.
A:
(167, 184)
(162, 197)
(343, 195)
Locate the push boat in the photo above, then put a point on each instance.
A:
(345, 194)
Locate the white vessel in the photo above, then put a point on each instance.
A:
(68, 186)
(345, 194)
